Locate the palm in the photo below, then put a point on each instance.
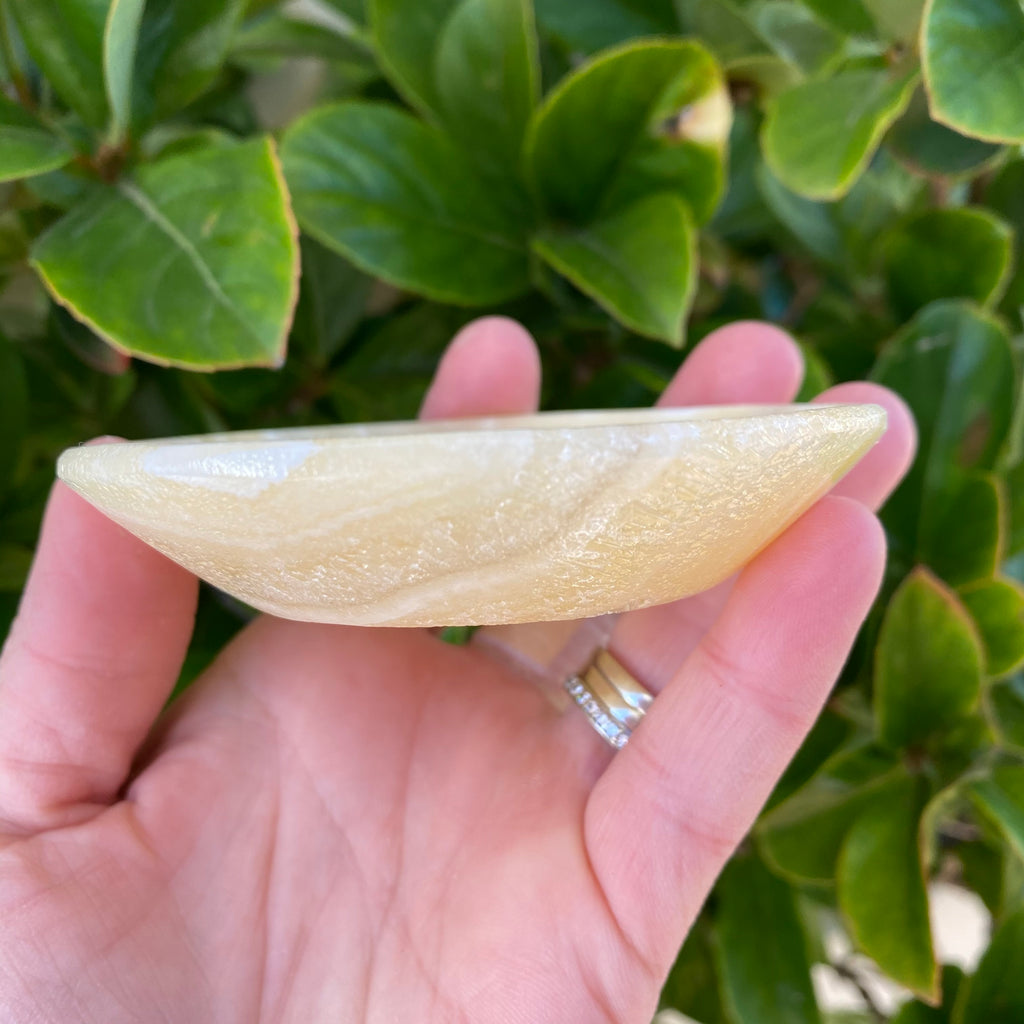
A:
(325, 793)
(362, 825)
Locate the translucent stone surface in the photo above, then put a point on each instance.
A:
(518, 519)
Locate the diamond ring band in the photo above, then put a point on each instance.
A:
(613, 701)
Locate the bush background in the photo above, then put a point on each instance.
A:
(622, 176)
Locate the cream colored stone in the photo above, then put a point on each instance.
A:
(518, 519)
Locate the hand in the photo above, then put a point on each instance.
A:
(356, 825)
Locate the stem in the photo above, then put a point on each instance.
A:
(18, 79)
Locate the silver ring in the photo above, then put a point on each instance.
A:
(613, 701)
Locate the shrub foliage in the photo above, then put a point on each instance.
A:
(622, 176)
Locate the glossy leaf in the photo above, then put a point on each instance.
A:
(26, 146)
(917, 1012)
(692, 986)
(849, 16)
(396, 197)
(819, 136)
(812, 224)
(65, 39)
(1006, 706)
(928, 663)
(881, 888)
(332, 301)
(14, 405)
(597, 24)
(1000, 797)
(638, 263)
(781, 31)
(897, 20)
(968, 541)
(181, 48)
(997, 607)
(120, 40)
(995, 995)
(939, 254)
(279, 35)
(954, 366)
(1015, 503)
(488, 78)
(15, 562)
(406, 34)
(203, 249)
(797, 37)
(389, 373)
(354, 10)
(648, 117)
(802, 836)
(928, 147)
(1005, 196)
(762, 982)
(971, 56)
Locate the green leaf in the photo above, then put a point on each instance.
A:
(120, 40)
(278, 35)
(488, 78)
(967, 543)
(638, 263)
(1005, 196)
(762, 982)
(1006, 706)
(916, 1012)
(1000, 797)
(897, 20)
(819, 137)
(389, 373)
(773, 43)
(406, 33)
(997, 607)
(597, 24)
(204, 252)
(994, 995)
(973, 60)
(930, 148)
(181, 49)
(848, 16)
(65, 39)
(396, 197)
(15, 562)
(802, 836)
(796, 36)
(928, 663)
(954, 367)
(354, 10)
(812, 224)
(692, 986)
(26, 146)
(14, 405)
(938, 254)
(881, 888)
(1015, 503)
(332, 301)
(647, 117)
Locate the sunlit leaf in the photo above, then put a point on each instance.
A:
(819, 136)
(28, 147)
(398, 199)
(203, 250)
(971, 56)
(881, 888)
(928, 663)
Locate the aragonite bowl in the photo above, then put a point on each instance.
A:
(462, 522)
